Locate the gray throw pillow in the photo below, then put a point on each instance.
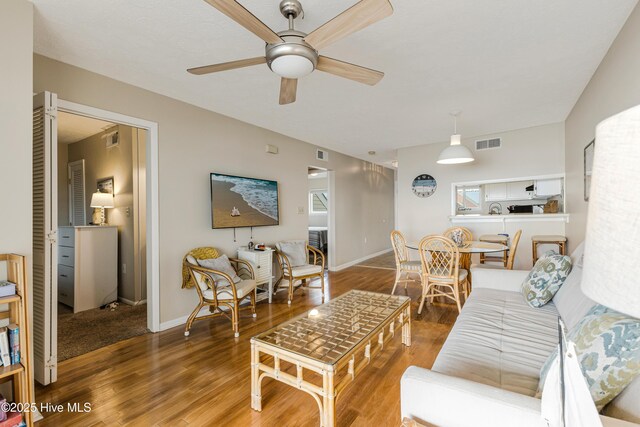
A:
(296, 252)
(222, 264)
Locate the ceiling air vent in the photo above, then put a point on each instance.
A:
(487, 144)
(322, 155)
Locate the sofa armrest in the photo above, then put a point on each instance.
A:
(432, 398)
(504, 280)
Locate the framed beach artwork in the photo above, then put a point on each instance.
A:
(243, 202)
(105, 185)
(589, 151)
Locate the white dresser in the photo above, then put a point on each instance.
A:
(262, 263)
(87, 266)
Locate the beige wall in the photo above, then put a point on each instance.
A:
(16, 87)
(614, 87)
(526, 152)
(101, 162)
(194, 142)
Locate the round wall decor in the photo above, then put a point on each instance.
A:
(424, 185)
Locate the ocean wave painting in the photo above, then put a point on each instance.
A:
(258, 194)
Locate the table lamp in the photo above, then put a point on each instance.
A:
(102, 201)
(612, 243)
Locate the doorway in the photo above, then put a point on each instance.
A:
(101, 270)
(320, 210)
(47, 232)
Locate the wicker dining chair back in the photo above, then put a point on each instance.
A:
(440, 257)
(513, 248)
(399, 247)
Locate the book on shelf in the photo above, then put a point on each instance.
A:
(14, 343)
(7, 288)
(4, 347)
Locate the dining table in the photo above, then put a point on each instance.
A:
(469, 248)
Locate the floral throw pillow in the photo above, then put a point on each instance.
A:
(545, 279)
(608, 348)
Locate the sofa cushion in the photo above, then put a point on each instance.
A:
(608, 348)
(499, 340)
(545, 279)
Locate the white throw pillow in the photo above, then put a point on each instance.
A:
(222, 264)
(296, 252)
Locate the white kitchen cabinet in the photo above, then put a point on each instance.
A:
(87, 266)
(262, 263)
(517, 190)
(495, 192)
(548, 187)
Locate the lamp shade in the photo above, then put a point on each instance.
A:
(455, 154)
(102, 200)
(612, 245)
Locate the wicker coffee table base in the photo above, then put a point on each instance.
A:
(335, 377)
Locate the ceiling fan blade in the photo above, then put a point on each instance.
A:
(357, 17)
(242, 16)
(288, 89)
(207, 69)
(349, 71)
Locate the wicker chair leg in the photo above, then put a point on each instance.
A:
(322, 285)
(398, 275)
(191, 318)
(253, 302)
(425, 290)
(235, 319)
(290, 290)
(457, 296)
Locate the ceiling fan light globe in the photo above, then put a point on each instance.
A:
(455, 154)
(292, 66)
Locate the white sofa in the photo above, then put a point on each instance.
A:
(488, 369)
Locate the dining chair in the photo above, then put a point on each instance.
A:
(404, 265)
(222, 284)
(510, 260)
(466, 233)
(441, 274)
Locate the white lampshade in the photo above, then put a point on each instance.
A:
(455, 153)
(291, 66)
(612, 247)
(102, 200)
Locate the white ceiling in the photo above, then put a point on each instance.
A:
(507, 64)
(73, 128)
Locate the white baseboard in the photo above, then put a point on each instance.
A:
(358, 261)
(180, 321)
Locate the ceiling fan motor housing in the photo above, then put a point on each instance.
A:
(293, 58)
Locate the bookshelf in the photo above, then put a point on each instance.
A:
(17, 309)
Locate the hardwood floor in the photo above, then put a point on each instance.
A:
(165, 379)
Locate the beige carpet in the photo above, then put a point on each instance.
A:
(89, 330)
(385, 262)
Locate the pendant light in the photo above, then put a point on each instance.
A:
(455, 152)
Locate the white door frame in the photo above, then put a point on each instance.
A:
(153, 229)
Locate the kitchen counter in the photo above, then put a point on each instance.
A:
(522, 217)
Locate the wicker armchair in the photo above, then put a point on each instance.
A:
(217, 289)
(296, 264)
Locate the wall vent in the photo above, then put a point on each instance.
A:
(322, 155)
(488, 144)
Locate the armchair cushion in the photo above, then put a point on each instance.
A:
(222, 264)
(295, 251)
(304, 270)
(243, 289)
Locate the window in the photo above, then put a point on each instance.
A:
(318, 201)
(468, 199)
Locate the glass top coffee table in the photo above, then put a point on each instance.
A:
(332, 343)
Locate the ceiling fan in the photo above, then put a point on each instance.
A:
(293, 54)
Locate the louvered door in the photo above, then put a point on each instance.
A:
(45, 224)
(77, 201)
